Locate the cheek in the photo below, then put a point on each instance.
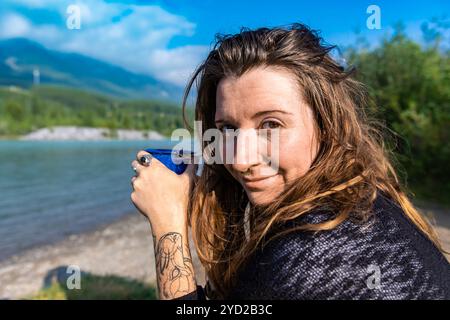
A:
(297, 152)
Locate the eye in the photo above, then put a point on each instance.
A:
(270, 125)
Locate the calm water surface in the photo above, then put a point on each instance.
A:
(51, 189)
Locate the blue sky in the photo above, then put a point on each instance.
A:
(168, 38)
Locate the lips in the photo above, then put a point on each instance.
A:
(258, 183)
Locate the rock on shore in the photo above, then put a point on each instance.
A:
(85, 133)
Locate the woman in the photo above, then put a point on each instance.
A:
(332, 222)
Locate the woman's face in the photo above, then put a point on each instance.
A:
(266, 98)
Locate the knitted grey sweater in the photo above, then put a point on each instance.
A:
(386, 257)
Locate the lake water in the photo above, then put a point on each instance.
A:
(52, 189)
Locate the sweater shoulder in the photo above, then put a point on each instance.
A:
(376, 259)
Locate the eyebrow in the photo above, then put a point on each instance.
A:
(261, 113)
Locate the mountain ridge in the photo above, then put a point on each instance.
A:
(19, 57)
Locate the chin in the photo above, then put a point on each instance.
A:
(260, 197)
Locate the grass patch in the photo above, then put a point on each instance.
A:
(94, 287)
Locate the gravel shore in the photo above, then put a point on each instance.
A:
(85, 134)
(123, 248)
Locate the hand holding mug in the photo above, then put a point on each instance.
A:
(160, 194)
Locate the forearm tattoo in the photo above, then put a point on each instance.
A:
(174, 270)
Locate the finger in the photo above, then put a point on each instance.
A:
(154, 162)
(137, 167)
(142, 154)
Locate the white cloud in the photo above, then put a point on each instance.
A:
(14, 25)
(134, 37)
(175, 65)
(37, 3)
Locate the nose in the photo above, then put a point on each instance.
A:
(246, 153)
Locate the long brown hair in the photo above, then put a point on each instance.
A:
(347, 187)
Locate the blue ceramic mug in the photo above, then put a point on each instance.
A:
(175, 160)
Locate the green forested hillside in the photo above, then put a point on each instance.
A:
(410, 85)
(22, 111)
